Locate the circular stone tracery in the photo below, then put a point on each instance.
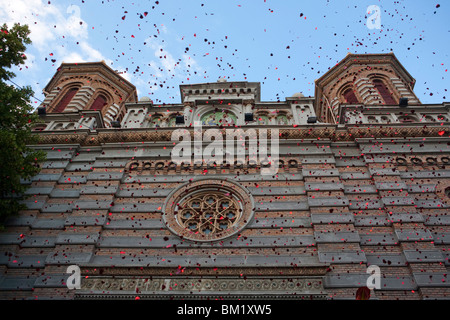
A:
(208, 210)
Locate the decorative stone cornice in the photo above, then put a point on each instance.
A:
(319, 270)
(154, 287)
(299, 132)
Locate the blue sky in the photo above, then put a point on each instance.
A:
(284, 44)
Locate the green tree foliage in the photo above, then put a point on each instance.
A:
(17, 160)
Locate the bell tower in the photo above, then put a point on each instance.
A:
(363, 79)
(91, 86)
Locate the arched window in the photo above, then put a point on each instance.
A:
(173, 121)
(385, 119)
(65, 100)
(282, 119)
(407, 119)
(372, 119)
(350, 97)
(99, 103)
(155, 121)
(262, 118)
(383, 91)
(219, 118)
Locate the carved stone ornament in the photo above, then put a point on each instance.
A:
(208, 210)
(280, 288)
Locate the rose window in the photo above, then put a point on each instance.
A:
(208, 210)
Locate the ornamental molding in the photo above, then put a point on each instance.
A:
(154, 287)
(299, 132)
(116, 271)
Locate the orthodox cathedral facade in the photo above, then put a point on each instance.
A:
(359, 197)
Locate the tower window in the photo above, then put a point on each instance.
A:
(350, 97)
(99, 103)
(65, 100)
(383, 91)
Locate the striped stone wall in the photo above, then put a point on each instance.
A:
(318, 223)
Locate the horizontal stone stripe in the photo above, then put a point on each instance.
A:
(19, 221)
(33, 205)
(343, 256)
(349, 162)
(434, 280)
(171, 241)
(55, 164)
(328, 202)
(65, 193)
(48, 223)
(138, 224)
(38, 241)
(92, 204)
(105, 176)
(365, 204)
(26, 261)
(423, 256)
(281, 205)
(425, 174)
(370, 221)
(77, 238)
(390, 185)
(276, 191)
(159, 192)
(442, 238)
(186, 178)
(39, 191)
(44, 177)
(27, 241)
(384, 172)
(406, 217)
(414, 188)
(414, 235)
(320, 172)
(157, 224)
(60, 154)
(137, 207)
(279, 222)
(21, 283)
(398, 201)
(105, 163)
(355, 175)
(408, 148)
(438, 220)
(310, 186)
(321, 159)
(99, 190)
(85, 221)
(204, 261)
(72, 179)
(51, 281)
(360, 280)
(67, 258)
(57, 208)
(321, 218)
(379, 239)
(79, 166)
(366, 189)
(336, 237)
(386, 260)
(426, 204)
